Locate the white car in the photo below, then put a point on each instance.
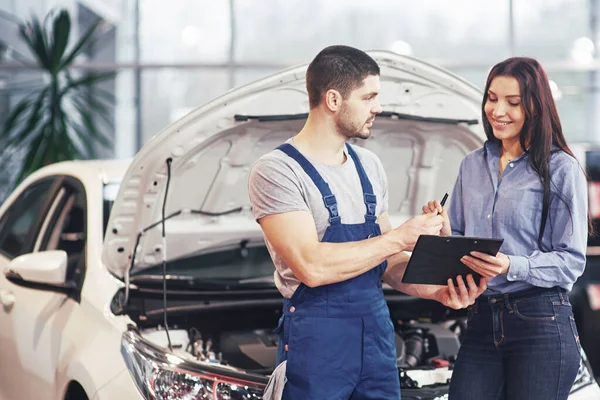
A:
(85, 299)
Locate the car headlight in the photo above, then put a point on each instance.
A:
(585, 376)
(162, 376)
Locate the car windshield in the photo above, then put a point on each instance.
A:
(240, 265)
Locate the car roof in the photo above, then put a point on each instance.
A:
(107, 170)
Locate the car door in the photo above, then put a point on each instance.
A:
(19, 226)
(38, 317)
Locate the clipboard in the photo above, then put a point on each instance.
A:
(435, 259)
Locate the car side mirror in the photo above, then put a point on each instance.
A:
(45, 270)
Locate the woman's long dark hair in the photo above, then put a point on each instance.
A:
(541, 129)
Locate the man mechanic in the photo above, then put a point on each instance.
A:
(322, 205)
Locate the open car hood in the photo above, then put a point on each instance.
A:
(431, 120)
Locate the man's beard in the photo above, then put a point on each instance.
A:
(346, 126)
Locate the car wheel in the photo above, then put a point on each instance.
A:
(75, 392)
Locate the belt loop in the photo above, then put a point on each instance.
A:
(560, 294)
(476, 305)
(507, 302)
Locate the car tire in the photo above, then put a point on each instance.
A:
(75, 392)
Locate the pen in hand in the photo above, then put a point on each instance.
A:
(429, 207)
(444, 199)
(442, 202)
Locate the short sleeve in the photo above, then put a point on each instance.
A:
(274, 188)
(384, 186)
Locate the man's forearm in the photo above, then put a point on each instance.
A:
(337, 262)
(394, 273)
(293, 237)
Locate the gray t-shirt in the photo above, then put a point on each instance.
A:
(278, 184)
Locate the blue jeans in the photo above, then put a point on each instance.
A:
(518, 346)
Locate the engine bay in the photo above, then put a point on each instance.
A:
(243, 338)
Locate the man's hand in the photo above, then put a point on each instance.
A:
(434, 206)
(486, 265)
(426, 224)
(464, 297)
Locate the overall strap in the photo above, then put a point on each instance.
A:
(328, 197)
(369, 197)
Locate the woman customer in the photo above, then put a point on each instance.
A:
(525, 186)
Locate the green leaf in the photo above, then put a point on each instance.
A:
(82, 136)
(32, 158)
(95, 106)
(59, 120)
(25, 87)
(60, 135)
(35, 37)
(30, 129)
(25, 135)
(99, 137)
(82, 42)
(14, 117)
(102, 94)
(91, 127)
(86, 81)
(61, 31)
(105, 95)
(37, 109)
(68, 146)
(80, 139)
(18, 151)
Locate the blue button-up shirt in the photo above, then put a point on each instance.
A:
(484, 204)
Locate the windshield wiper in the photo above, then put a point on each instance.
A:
(387, 114)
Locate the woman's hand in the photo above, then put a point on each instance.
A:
(486, 265)
(463, 297)
(435, 206)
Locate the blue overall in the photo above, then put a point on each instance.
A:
(338, 339)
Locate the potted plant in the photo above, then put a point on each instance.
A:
(62, 119)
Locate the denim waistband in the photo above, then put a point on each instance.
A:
(524, 294)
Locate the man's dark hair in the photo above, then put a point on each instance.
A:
(342, 68)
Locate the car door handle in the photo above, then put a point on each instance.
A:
(7, 299)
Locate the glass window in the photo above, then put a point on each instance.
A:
(14, 86)
(476, 76)
(245, 76)
(574, 104)
(169, 94)
(185, 31)
(15, 49)
(23, 9)
(5, 4)
(21, 221)
(68, 231)
(549, 30)
(69, 225)
(429, 29)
